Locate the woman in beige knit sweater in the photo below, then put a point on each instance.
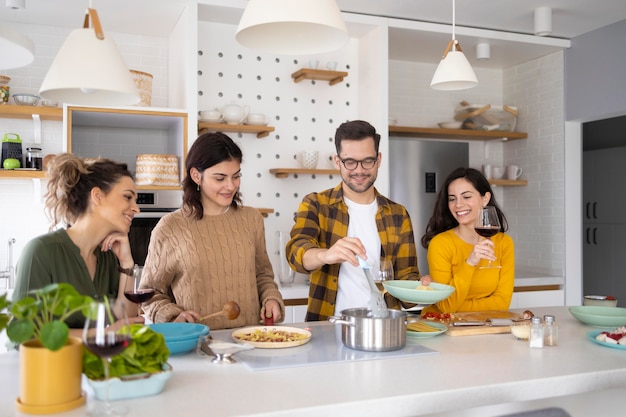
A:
(212, 250)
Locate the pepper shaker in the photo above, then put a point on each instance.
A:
(551, 331)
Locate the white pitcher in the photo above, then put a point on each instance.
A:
(234, 114)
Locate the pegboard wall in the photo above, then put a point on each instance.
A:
(305, 116)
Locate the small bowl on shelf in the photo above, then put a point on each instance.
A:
(451, 125)
(49, 103)
(26, 99)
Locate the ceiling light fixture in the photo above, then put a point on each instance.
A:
(89, 70)
(543, 21)
(288, 27)
(483, 51)
(454, 72)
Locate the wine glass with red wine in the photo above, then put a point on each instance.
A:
(106, 334)
(487, 225)
(133, 292)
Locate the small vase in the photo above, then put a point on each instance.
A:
(50, 382)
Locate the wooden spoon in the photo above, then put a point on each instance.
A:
(231, 311)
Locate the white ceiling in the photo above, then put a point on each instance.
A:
(570, 18)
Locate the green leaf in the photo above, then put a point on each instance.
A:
(20, 331)
(54, 335)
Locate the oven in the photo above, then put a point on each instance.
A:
(153, 204)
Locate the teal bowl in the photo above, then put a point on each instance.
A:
(407, 291)
(600, 316)
(180, 337)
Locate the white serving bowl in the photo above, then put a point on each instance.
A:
(599, 300)
(451, 125)
(130, 387)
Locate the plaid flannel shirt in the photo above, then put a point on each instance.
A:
(322, 219)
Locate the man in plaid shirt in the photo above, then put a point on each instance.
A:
(334, 226)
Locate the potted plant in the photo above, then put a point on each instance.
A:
(50, 359)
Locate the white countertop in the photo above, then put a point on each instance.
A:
(300, 289)
(469, 371)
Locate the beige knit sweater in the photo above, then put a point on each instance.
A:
(199, 265)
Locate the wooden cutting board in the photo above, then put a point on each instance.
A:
(480, 316)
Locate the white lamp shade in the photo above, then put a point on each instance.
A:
(292, 27)
(16, 50)
(89, 71)
(454, 72)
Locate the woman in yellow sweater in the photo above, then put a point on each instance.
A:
(455, 249)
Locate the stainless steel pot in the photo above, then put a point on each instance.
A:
(360, 331)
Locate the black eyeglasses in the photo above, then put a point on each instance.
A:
(351, 164)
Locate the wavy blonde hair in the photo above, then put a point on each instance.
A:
(71, 180)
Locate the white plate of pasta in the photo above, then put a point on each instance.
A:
(271, 337)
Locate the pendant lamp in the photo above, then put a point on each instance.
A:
(89, 70)
(16, 50)
(290, 27)
(454, 72)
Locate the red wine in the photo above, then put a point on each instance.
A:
(111, 347)
(487, 231)
(140, 296)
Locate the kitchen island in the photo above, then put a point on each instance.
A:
(466, 372)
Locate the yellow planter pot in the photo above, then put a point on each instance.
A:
(50, 382)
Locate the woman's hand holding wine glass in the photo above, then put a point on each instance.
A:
(487, 225)
(132, 291)
(105, 340)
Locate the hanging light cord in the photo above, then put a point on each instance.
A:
(453, 17)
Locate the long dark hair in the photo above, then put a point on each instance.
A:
(209, 149)
(442, 219)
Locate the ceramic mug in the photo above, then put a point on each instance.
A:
(513, 172)
(488, 171)
(498, 172)
(308, 159)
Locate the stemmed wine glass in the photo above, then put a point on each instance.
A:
(487, 225)
(132, 291)
(385, 273)
(106, 340)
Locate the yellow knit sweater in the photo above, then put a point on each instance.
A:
(475, 289)
(201, 264)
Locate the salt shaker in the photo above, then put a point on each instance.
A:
(550, 331)
(536, 333)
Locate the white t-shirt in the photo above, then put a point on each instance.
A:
(354, 290)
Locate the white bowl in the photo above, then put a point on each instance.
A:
(599, 300)
(450, 125)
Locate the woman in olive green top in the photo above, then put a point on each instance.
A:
(96, 201)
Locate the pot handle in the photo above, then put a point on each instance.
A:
(339, 320)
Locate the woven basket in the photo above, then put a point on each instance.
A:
(157, 169)
(143, 81)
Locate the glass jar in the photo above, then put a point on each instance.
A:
(536, 333)
(550, 331)
(33, 159)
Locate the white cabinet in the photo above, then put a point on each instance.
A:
(531, 299)
(295, 314)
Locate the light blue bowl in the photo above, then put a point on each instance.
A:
(180, 331)
(406, 291)
(140, 386)
(600, 316)
(180, 337)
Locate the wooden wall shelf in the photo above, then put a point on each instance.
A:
(10, 111)
(284, 172)
(508, 183)
(26, 174)
(465, 134)
(261, 131)
(265, 211)
(333, 77)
